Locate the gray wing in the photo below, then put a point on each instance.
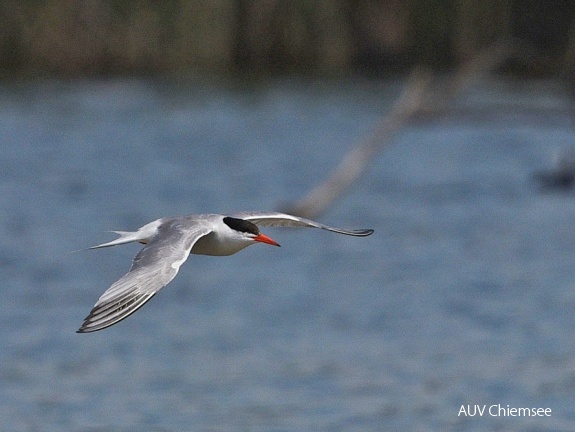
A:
(153, 268)
(275, 219)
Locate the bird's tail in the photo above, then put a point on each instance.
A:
(125, 237)
(143, 235)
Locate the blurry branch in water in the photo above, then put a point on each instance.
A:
(418, 98)
(356, 161)
(466, 76)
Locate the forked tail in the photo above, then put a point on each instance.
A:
(143, 235)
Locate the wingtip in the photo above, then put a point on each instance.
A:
(84, 328)
(362, 232)
(108, 314)
(88, 327)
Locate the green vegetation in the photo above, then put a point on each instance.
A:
(259, 37)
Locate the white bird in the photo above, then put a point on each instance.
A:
(169, 241)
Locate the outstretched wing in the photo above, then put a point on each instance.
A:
(275, 219)
(152, 269)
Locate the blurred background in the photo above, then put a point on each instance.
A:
(68, 38)
(446, 126)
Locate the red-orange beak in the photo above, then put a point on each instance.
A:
(265, 239)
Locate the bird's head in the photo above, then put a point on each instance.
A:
(248, 230)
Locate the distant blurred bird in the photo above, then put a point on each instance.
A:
(562, 176)
(169, 241)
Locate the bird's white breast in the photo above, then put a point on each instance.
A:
(218, 245)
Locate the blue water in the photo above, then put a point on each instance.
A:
(464, 295)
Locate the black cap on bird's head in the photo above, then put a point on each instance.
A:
(241, 225)
(248, 227)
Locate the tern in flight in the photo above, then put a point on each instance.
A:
(168, 242)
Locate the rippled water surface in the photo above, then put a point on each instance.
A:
(464, 295)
